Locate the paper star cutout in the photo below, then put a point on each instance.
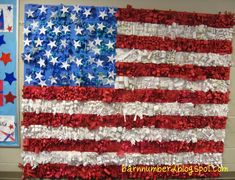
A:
(53, 80)
(10, 98)
(27, 57)
(66, 29)
(98, 41)
(39, 75)
(112, 11)
(56, 30)
(91, 27)
(111, 74)
(26, 31)
(6, 58)
(52, 44)
(38, 42)
(41, 62)
(53, 14)
(90, 76)
(65, 65)
(54, 60)
(102, 14)
(78, 30)
(50, 24)
(9, 77)
(48, 54)
(91, 60)
(96, 50)
(72, 77)
(87, 12)
(100, 26)
(29, 13)
(110, 45)
(9, 28)
(34, 24)
(110, 30)
(64, 9)
(27, 42)
(2, 40)
(111, 58)
(78, 62)
(63, 43)
(28, 79)
(42, 83)
(42, 9)
(99, 63)
(73, 17)
(78, 81)
(77, 44)
(42, 30)
(76, 8)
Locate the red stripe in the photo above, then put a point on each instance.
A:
(71, 93)
(177, 44)
(1, 99)
(170, 17)
(93, 121)
(189, 72)
(1, 85)
(115, 171)
(103, 146)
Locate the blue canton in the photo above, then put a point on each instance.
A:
(69, 45)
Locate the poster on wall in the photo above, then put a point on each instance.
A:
(8, 74)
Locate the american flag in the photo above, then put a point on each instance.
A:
(106, 87)
(6, 18)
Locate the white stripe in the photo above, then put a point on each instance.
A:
(91, 158)
(172, 57)
(122, 134)
(150, 82)
(129, 108)
(172, 31)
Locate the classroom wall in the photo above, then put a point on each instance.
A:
(10, 157)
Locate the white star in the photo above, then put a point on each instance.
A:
(27, 42)
(90, 44)
(98, 41)
(101, 77)
(78, 62)
(50, 24)
(56, 30)
(96, 50)
(112, 11)
(42, 83)
(91, 60)
(100, 26)
(48, 54)
(111, 58)
(73, 17)
(53, 14)
(64, 9)
(91, 27)
(110, 81)
(42, 30)
(38, 42)
(28, 57)
(99, 63)
(87, 12)
(71, 58)
(42, 9)
(90, 76)
(110, 45)
(102, 14)
(66, 29)
(26, 31)
(65, 65)
(30, 13)
(63, 43)
(78, 30)
(76, 8)
(72, 77)
(41, 62)
(28, 79)
(53, 80)
(39, 75)
(54, 60)
(78, 81)
(34, 24)
(77, 44)
(110, 30)
(111, 74)
(52, 44)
